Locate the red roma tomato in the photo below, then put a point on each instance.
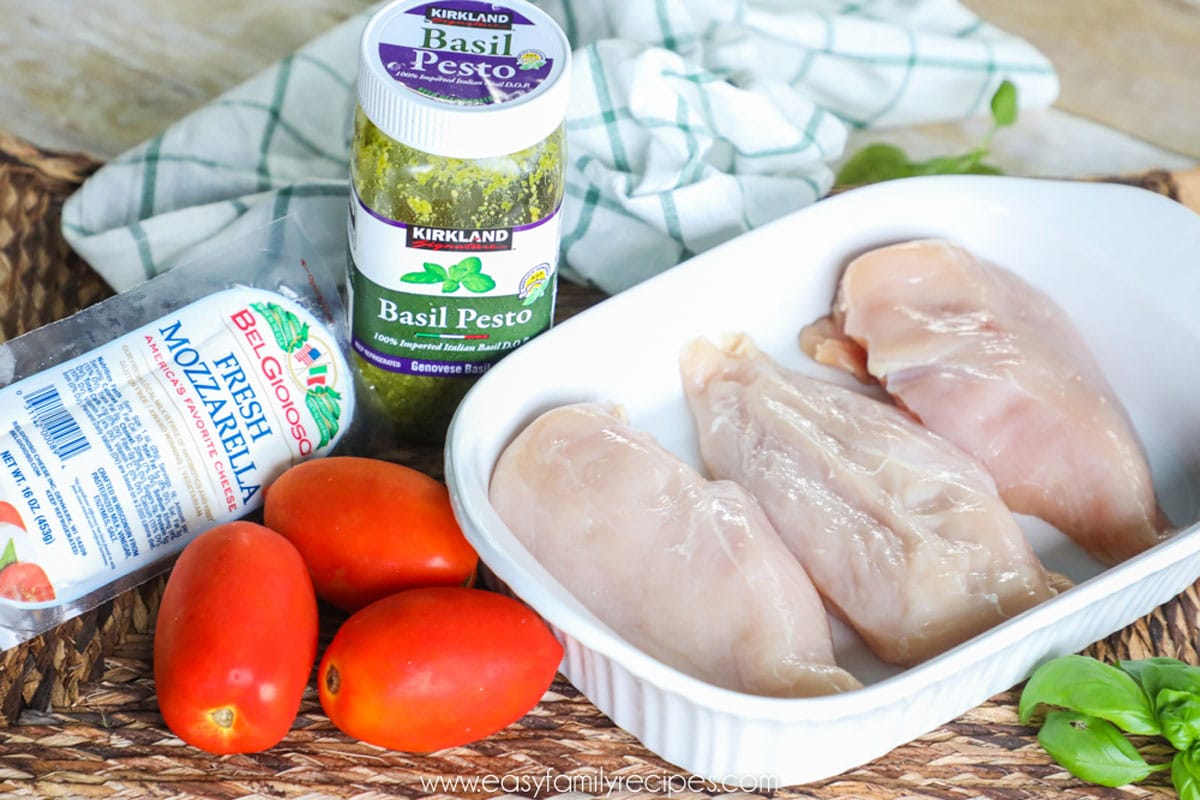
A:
(431, 668)
(236, 639)
(368, 528)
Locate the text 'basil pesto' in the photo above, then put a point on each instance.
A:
(457, 169)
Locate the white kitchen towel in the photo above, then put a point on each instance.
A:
(689, 122)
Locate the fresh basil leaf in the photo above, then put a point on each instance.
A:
(883, 162)
(1185, 774)
(875, 163)
(1179, 716)
(449, 286)
(950, 165)
(1093, 749)
(1091, 687)
(1137, 668)
(1004, 104)
(1161, 672)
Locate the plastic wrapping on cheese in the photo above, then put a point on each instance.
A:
(132, 426)
(115, 458)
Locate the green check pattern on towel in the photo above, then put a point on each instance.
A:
(690, 122)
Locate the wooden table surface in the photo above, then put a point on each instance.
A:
(101, 76)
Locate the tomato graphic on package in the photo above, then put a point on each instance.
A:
(19, 580)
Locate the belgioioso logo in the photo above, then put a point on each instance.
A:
(312, 366)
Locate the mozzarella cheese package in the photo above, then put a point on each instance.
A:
(111, 461)
(137, 423)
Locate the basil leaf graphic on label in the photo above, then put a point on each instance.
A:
(478, 283)
(469, 273)
(534, 294)
(433, 273)
(9, 556)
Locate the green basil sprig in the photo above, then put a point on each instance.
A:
(1090, 706)
(881, 162)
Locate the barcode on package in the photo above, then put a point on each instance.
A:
(50, 416)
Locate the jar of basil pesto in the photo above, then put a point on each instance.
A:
(457, 171)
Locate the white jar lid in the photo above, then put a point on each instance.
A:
(464, 78)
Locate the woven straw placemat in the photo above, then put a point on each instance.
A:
(81, 705)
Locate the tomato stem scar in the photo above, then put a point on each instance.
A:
(333, 679)
(222, 717)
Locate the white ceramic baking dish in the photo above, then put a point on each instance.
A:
(1125, 265)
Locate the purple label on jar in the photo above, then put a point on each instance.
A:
(466, 77)
(467, 52)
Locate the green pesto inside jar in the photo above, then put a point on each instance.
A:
(414, 188)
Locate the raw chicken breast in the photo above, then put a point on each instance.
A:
(986, 360)
(686, 569)
(903, 534)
